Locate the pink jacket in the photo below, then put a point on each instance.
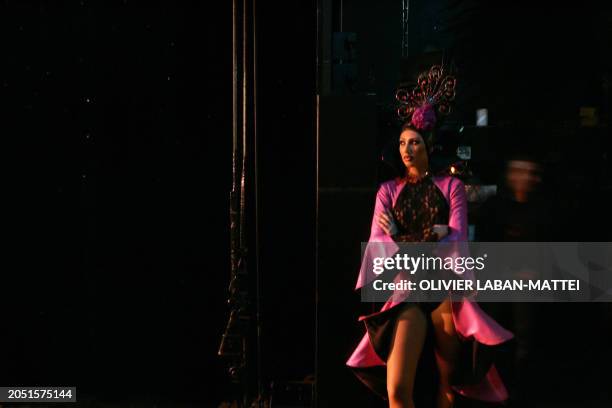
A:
(471, 322)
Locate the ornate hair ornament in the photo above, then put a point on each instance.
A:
(434, 92)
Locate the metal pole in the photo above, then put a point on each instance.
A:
(405, 17)
(258, 277)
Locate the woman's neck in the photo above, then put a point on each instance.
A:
(415, 172)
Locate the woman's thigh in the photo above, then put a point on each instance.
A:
(406, 347)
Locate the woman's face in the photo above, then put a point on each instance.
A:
(412, 150)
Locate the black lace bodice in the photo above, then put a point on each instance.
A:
(417, 208)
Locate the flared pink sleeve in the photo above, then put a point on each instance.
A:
(380, 244)
(457, 220)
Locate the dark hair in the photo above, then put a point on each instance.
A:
(427, 135)
(522, 156)
(391, 156)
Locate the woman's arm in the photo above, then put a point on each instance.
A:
(384, 227)
(382, 206)
(380, 244)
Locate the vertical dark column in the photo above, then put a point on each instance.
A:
(240, 343)
(285, 101)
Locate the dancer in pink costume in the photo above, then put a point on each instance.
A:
(419, 207)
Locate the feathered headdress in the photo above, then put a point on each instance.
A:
(430, 98)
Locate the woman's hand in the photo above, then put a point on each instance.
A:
(386, 222)
(441, 230)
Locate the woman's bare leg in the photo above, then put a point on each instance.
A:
(408, 339)
(447, 348)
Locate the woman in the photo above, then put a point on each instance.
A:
(419, 207)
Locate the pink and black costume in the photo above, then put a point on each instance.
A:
(416, 207)
(476, 329)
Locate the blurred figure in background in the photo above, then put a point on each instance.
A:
(518, 213)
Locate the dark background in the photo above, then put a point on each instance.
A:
(118, 118)
(116, 121)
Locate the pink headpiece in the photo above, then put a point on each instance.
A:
(434, 91)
